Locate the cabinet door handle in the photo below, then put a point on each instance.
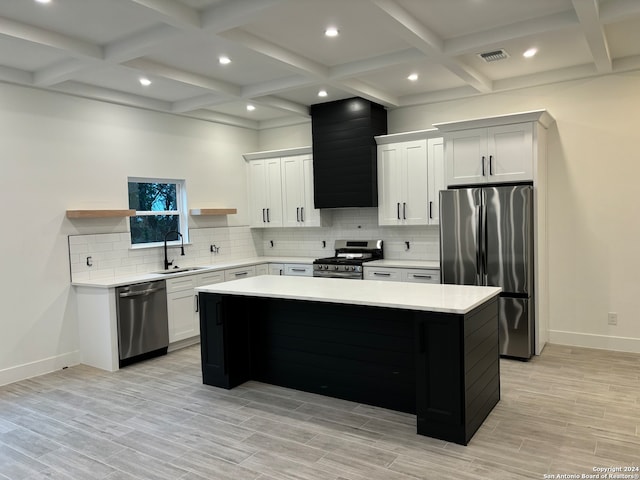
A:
(297, 214)
(302, 214)
(268, 216)
(398, 211)
(404, 210)
(483, 166)
(263, 217)
(430, 209)
(380, 274)
(197, 303)
(490, 164)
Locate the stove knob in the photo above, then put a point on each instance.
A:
(326, 267)
(336, 267)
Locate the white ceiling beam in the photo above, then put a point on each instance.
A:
(428, 42)
(71, 46)
(233, 13)
(282, 104)
(92, 92)
(276, 86)
(174, 13)
(367, 92)
(293, 61)
(160, 70)
(195, 103)
(140, 43)
(15, 75)
(619, 9)
(372, 64)
(587, 11)
(60, 72)
(476, 42)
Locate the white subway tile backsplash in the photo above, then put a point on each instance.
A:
(112, 254)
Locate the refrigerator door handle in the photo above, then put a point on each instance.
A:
(485, 241)
(479, 237)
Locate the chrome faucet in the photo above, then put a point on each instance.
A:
(168, 263)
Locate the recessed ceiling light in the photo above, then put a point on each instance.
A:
(322, 93)
(224, 60)
(331, 32)
(43, 1)
(250, 108)
(530, 53)
(413, 77)
(145, 82)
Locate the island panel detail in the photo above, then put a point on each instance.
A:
(441, 366)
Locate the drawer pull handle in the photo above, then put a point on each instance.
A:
(380, 274)
(422, 276)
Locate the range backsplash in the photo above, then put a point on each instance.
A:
(112, 256)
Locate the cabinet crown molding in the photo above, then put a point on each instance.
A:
(541, 116)
(277, 153)
(407, 136)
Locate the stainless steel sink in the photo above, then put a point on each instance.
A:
(178, 270)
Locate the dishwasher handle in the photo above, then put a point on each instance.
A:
(141, 293)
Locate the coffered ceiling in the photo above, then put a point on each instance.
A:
(281, 58)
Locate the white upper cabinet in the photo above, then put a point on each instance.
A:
(297, 192)
(281, 189)
(490, 155)
(436, 180)
(265, 193)
(410, 175)
(499, 150)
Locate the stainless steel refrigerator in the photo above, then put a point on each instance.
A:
(486, 238)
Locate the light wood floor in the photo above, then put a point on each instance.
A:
(567, 411)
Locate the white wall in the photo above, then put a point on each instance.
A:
(59, 152)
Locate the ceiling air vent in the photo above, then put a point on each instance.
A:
(494, 56)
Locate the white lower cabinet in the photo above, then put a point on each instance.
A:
(421, 276)
(262, 269)
(183, 306)
(383, 273)
(276, 269)
(393, 274)
(238, 273)
(298, 269)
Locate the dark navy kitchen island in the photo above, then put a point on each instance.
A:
(431, 350)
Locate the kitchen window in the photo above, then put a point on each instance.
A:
(161, 207)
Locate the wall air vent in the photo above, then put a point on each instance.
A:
(494, 56)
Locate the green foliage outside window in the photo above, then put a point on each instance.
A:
(157, 208)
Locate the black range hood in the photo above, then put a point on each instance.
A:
(344, 152)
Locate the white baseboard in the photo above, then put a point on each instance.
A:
(39, 367)
(187, 342)
(588, 340)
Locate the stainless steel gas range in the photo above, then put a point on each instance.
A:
(348, 260)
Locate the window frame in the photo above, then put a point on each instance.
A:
(181, 210)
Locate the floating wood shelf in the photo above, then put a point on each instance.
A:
(100, 213)
(213, 211)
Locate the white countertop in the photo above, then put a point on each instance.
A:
(404, 263)
(457, 299)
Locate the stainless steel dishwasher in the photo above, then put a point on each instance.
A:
(143, 329)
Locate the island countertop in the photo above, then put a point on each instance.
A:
(458, 299)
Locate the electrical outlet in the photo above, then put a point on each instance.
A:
(612, 318)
